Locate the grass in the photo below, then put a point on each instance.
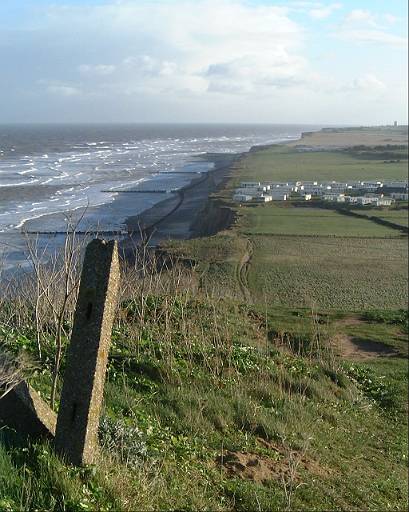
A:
(232, 353)
(329, 273)
(396, 216)
(298, 271)
(305, 255)
(193, 379)
(283, 163)
(276, 220)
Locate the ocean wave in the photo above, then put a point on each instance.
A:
(18, 184)
(107, 165)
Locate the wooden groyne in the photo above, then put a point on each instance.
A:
(88, 233)
(142, 191)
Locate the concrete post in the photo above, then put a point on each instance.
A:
(23, 410)
(76, 437)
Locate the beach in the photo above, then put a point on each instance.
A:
(180, 216)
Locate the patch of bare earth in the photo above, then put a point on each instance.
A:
(357, 349)
(282, 465)
(351, 320)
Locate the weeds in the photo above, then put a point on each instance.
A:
(191, 372)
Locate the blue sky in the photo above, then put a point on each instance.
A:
(203, 61)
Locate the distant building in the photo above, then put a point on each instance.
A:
(400, 196)
(250, 184)
(336, 198)
(369, 200)
(371, 192)
(242, 198)
(277, 195)
(395, 124)
(263, 199)
(384, 201)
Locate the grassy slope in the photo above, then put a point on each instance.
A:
(191, 379)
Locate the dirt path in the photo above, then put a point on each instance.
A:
(356, 349)
(242, 272)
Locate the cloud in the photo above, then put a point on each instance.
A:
(368, 83)
(198, 46)
(145, 65)
(322, 12)
(373, 36)
(390, 18)
(200, 60)
(362, 26)
(98, 69)
(358, 15)
(262, 73)
(63, 90)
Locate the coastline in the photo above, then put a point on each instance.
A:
(190, 212)
(179, 216)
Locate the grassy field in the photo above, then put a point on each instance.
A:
(399, 217)
(323, 272)
(367, 136)
(285, 163)
(293, 254)
(278, 219)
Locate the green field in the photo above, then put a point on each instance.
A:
(349, 273)
(399, 217)
(282, 163)
(300, 254)
(272, 219)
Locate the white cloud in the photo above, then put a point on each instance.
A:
(324, 11)
(257, 73)
(373, 36)
(149, 66)
(98, 69)
(361, 25)
(168, 47)
(390, 18)
(64, 90)
(359, 15)
(368, 83)
(201, 60)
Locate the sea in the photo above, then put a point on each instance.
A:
(54, 174)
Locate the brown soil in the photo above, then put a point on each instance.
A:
(352, 320)
(357, 349)
(281, 465)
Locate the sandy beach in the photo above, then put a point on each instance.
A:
(183, 215)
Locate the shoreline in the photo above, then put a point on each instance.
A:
(177, 217)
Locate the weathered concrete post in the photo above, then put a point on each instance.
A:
(23, 410)
(76, 435)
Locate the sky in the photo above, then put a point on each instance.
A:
(211, 61)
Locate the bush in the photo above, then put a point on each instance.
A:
(123, 441)
(393, 317)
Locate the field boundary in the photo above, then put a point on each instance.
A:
(283, 235)
(372, 218)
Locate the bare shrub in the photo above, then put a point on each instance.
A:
(13, 370)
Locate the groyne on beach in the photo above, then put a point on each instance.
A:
(183, 215)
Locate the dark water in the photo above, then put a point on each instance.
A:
(47, 172)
